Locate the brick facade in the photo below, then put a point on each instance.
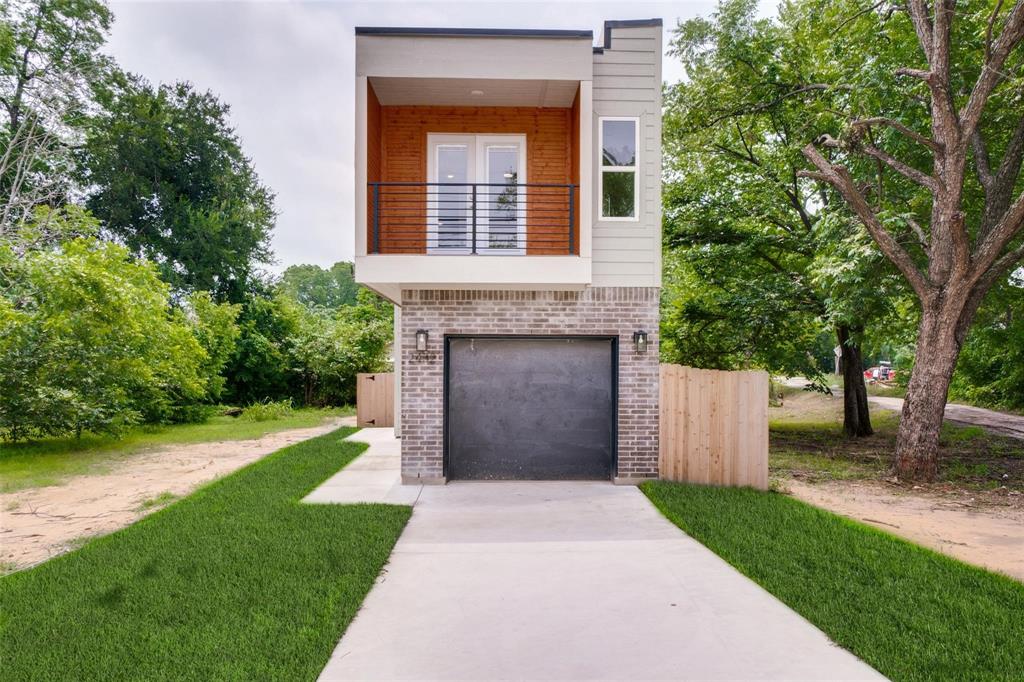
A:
(596, 311)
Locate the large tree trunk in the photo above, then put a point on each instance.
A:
(856, 417)
(944, 325)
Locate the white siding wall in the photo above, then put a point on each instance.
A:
(627, 82)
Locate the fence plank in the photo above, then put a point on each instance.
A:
(714, 426)
(375, 399)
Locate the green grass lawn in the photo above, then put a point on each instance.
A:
(806, 441)
(911, 613)
(50, 461)
(237, 581)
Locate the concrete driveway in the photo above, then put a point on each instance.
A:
(569, 581)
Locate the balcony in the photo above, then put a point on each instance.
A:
(469, 174)
(461, 218)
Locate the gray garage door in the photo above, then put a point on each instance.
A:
(530, 408)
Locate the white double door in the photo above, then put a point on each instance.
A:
(476, 199)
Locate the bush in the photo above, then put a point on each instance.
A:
(88, 343)
(267, 410)
(329, 349)
(260, 366)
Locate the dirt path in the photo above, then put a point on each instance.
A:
(39, 523)
(996, 422)
(984, 535)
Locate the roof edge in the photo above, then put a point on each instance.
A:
(622, 23)
(473, 32)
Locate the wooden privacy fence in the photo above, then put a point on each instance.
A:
(375, 399)
(714, 426)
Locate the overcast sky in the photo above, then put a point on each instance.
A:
(286, 69)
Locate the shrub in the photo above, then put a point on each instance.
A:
(267, 410)
(88, 343)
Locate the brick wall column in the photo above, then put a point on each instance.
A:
(596, 311)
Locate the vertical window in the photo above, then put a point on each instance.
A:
(619, 140)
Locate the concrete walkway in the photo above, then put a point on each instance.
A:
(567, 581)
(374, 476)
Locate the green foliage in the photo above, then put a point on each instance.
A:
(197, 590)
(49, 56)
(287, 350)
(260, 367)
(331, 348)
(759, 263)
(168, 177)
(267, 410)
(315, 287)
(213, 325)
(991, 367)
(87, 342)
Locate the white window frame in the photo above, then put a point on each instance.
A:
(634, 169)
(477, 173)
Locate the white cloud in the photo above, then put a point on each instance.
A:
(286, 69)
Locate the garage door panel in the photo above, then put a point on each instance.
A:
(530, 408)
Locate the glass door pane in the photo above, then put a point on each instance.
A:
(503, 205)
(452, 198)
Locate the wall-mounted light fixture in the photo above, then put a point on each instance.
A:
(422, 335)
(640, 341)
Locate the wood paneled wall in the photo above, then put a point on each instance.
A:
(714, 426)
(552, 152)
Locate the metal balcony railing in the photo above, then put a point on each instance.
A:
(472, 218)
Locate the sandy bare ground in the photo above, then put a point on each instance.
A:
(955, 524)
(39, 523)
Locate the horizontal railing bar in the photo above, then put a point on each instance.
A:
(548, 226)
(470, 184)
(410, 240)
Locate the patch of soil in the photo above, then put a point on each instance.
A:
(39, 523)
(981, 528)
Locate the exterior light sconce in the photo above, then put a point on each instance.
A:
(640, 341)
(422, 336)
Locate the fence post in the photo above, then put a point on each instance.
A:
(572, 218)
(474, 218)
(376, 218)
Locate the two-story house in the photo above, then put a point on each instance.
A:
(508, 202)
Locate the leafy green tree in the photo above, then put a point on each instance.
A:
(169, 179)
(214, 327)
(331, 348)
(934, 103)
(758, 261)
(261, 367)
(315, 287)
(49, 56)
(88, 342)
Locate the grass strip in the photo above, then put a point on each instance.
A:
(236, 581)
(909, 612)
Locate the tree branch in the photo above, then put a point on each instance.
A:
(1011, 224)
(922, 238)
(991, 71)
(840, 178)
(903, 169)
(896, 125)
(918, 11)
(988, 30)
(981, 161)
(926, 76)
